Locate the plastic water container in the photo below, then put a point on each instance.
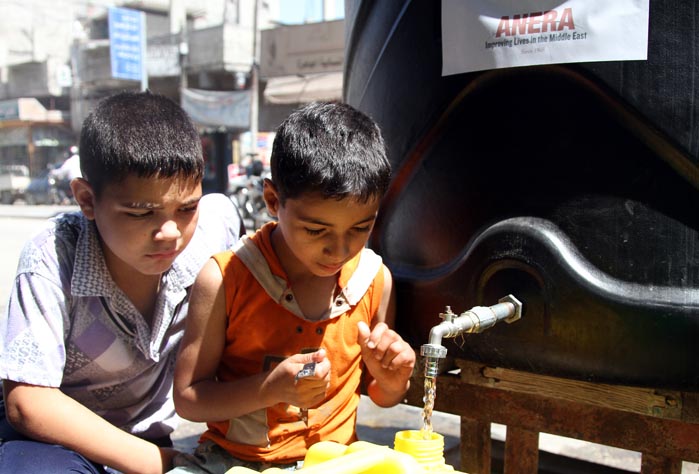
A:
(429, 453)
(412, 455)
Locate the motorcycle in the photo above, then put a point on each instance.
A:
(248, 196)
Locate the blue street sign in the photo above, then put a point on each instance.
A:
(127, 43)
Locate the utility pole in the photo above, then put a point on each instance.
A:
(183, 50)
(144, 54)
(178, 26)
(328, 10)
(254, 85)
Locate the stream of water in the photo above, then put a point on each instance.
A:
(428, 399)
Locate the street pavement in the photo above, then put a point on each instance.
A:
(376, 425)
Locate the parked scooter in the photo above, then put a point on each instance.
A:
(247, 194)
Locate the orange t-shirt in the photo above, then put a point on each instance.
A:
(265, 326)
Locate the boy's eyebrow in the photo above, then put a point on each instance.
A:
(312, 220)
(152, 205)
(140, 205)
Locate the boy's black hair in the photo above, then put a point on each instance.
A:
(329, 148)
(142, 134)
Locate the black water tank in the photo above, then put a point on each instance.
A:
(574, 187)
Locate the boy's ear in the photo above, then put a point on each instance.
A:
(85, 196)
(271, 197)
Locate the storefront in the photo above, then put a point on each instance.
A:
(32, 136)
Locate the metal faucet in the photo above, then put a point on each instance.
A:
(476, 319)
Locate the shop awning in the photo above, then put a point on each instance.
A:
(303, 89)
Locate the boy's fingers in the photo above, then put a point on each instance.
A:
(308, 357)
(312, 365)
(318, 356)
(371, 337)
(398, 356)
(364, 332)
(323, 370)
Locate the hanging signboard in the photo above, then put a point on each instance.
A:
(227, 109)
(127, 43)
(492, 34)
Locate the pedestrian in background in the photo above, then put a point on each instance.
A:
(66, 173)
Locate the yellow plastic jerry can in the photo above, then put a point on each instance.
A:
(412, 455)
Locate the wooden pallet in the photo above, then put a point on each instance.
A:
(662, 425)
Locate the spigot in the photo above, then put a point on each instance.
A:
(477, 319)
(432, 353)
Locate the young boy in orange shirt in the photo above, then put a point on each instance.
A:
(303, 296)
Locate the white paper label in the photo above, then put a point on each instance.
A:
(492, 34)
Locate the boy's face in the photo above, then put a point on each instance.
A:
(144, 223)
(323, 234)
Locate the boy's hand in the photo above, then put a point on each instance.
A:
(303, 392)
(389, 359)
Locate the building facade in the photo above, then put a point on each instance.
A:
(200, 53)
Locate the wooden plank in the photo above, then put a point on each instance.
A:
(644, 401)
(658, 465)
(521, 451)
(690, 407)
(475, 446)
(658, 436)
